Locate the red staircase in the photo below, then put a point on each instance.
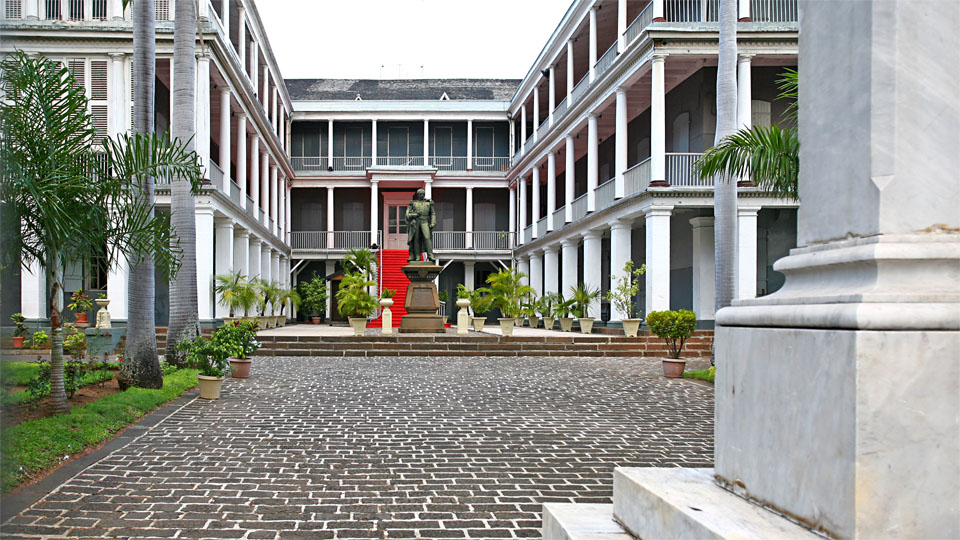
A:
(391, 261)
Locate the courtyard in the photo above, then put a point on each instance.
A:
(394, 447)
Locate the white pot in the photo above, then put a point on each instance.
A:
(586, 324)
(463, 302)
(534, 321)
(548, 323)
(359, 325)
(386, 302)
(566, 324)
(631, 327)
(506, 326)
(209, 386)
(478, 323)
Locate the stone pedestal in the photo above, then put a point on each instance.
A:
(422, 300)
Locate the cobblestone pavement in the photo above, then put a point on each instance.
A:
(385, 448)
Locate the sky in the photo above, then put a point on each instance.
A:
(389, 39)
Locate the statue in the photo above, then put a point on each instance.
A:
(421, 219)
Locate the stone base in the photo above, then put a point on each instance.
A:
(422, 301)
(569, 521)
(418, 323)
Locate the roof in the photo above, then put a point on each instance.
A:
(401, 89)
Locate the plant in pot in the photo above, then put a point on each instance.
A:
(530, 308)
(563, 310)
(674, 327)
(355, 301)
(582, 297)
(275, 296)
(622, 294)
(240, 340)
(313, 298)
(20, 329)
(289, 297)
(80, 304)
(235, 293)
(210, 357)
(463, 314)
(480, 303)
(506, 289)
(386, 314)
(547, 308)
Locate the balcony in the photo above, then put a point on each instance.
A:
(330, 240)
(472, 241)
(443, 241)
(310, 165)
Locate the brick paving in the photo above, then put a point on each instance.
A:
(385, 448)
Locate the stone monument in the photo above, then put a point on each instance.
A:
(422, 300)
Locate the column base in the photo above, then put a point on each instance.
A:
(659, 183)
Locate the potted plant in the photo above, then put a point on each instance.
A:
(463, 314)
(386, 297)
(80, 304)
(313, 298)
(531, 306)
(239, 338)
(288, 297)
(583, 296)
(275, 297)
(355, 301)
(622, 294)
(506, 288)
(210, 357)
(563, 310)
(546, 308)
(386, 314)
(74, 342)
(39, 340)
(20, 330)
(480, 303)
(674, 327)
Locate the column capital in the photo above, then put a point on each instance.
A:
(203, 54)
(745, 57)
(700, 222)
(240, 232)
(225, 90)
(240, 115)
(620, 90)
(569, 242)
(223, 222)
(117, 55)
(551, 248)
(264, 247)
(204, 210)
(254, 240)
(591, 235)
(659, 211)
(746, 211)
(659, 57)
(374, 181)
(621, 224)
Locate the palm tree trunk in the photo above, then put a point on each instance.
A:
(184, 317)
(141, 366)
(725, 188)
(55, 277)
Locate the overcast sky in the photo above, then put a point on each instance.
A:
(408, 38)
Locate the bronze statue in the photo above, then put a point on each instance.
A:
(421, 219)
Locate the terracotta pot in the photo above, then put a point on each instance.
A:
(548, 323)
(586, 324)
(478, 323)
(631, 327)
(240, 368)
(209, 386)
(18, 342)
(566, 324)
(82, 320)
(672, 368)
(534, 321)
(315, 320)
(506, 326)
(359, 325)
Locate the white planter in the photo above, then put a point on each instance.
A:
(386, 316)
(566, 324)
(359, 325)
(586, 324)
(463, 316)
(548, 323)
(209, 386)
(534, 321)
(506, 326)
(631, 327)
(478, 323)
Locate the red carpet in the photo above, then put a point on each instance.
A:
(393, 278)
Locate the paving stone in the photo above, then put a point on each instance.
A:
(387, 447)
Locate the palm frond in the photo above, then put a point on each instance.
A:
(769, 155)
(789, 86)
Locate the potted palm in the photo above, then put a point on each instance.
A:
(20, 329)
(547, 308)
(506, 289)
(480, 303)
(288, 297)
(80, 304)
(235, 293)
(210, 357)
(674, 327)
(531, 306)
(275, 296)
(622, 294)
(240, 340)
(355, 301)
(563, 310)
(582, 297)
(313, 298)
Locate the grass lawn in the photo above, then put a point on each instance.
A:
(17, 373)
(20, 373)
(702, 374)
(36, 445)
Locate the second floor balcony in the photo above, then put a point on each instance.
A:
(444, 242)
(309, 165)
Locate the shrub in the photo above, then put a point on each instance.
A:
(39, 340)
(74, 342)
(627, 286)
(239, 338)
(313, 295)
(674, 327)
(21, 326)
(353, 299)
(207, 355)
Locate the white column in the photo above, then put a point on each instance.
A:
(242, 157)
(569, 73)
(551, 188)
(205, 261)
(569, 252)
(513, 139)
(704, 268)
(274, 185)
(469, 275)
(592, 268)
(428, 188)
(373, 144)
(282, 206)
(224, 258)
(275, 104)
(241, 250)
(523, 264)
(469, 145)
(265, 265)
(658, 10)
(593, 44)
(621, 25)
(535, 207)
(593, 162)
(329, 268)
(329, 145)
(551, 268)
(569, 172)
(426, 142)
(657, 278)
(242, 36)
(225, 17)
(523, 209)
(117, 278)
(265, 185)
(286, 212)
(747, 251)
(118, 94)
(523, 128)
(33, 291)
(744, 92)
(203, 10)
(329, 210)
(620, 161)
(254, 267)
(265, 95)
(744, 10)
(115, 11)
(513, 215)
(255, 172)
(275, 266)
(202, 113)
(551, 97)
(620, 236)
(658, 126)
(536, 272)
(374, 211)
(536, 113)
(255, 66)
(225, 138)
(469, 238)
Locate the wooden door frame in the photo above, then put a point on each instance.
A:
(393, 198)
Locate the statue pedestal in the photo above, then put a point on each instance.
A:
(422, 300)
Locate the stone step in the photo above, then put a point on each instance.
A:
(570, 521)
(687, 503)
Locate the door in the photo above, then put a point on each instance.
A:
(483, 149)
(398, 148)
(395, 220)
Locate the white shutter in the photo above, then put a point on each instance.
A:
(162, 10)
(130, 86)
(14, 9)
(98, 98)
(760, 112)
(78, 68)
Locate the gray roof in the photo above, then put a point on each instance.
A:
(401, 89)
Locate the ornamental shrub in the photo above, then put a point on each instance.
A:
(674, 327)
(239, 338)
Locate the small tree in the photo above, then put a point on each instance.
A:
(674, 327)
(313, 295)
(507, 291)
(353, 298)
(627, 286)
(582, 296)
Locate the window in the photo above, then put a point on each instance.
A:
(95, 271)
(14, 9)
(52, 10)
(443, 146)
(484, 217)
(353, 213)
(100, 10)
(483, 148)
(76, 10)
(760, 112)
(398, 142)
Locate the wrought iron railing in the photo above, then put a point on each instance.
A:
(486, 163)
(449, 163)
(580, 89)
(637, 26)
(336, 240)
(351, 163)
(309, 163)
(691, 10)
(400, 161)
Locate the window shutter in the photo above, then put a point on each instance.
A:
(99, 10)
(98, 79)
(760, 112)
(99, 98)
(78, 68)
(14, 9)
(163, 10)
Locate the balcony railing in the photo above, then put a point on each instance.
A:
(579, 207)
(216, 176)
(680, 170)
(637, 178)
(543, 126)
(351, 163)
(251, 210)
(774, 10)
(691, 10)
(487, 163)
(449, 163)
(529, 143)
(475, 240)
(309, 163)
(605, 193)
(606, 60)
(336, 240)
(235, 192)
(542, 226)
(560, 110)
(580, 89)
(528, 234)
(558, 217)
(400, 161)
(637, 26)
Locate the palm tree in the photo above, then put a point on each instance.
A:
(359, 259)
(769, 155)
(54, 184)
(184, 322)
(141, 366)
